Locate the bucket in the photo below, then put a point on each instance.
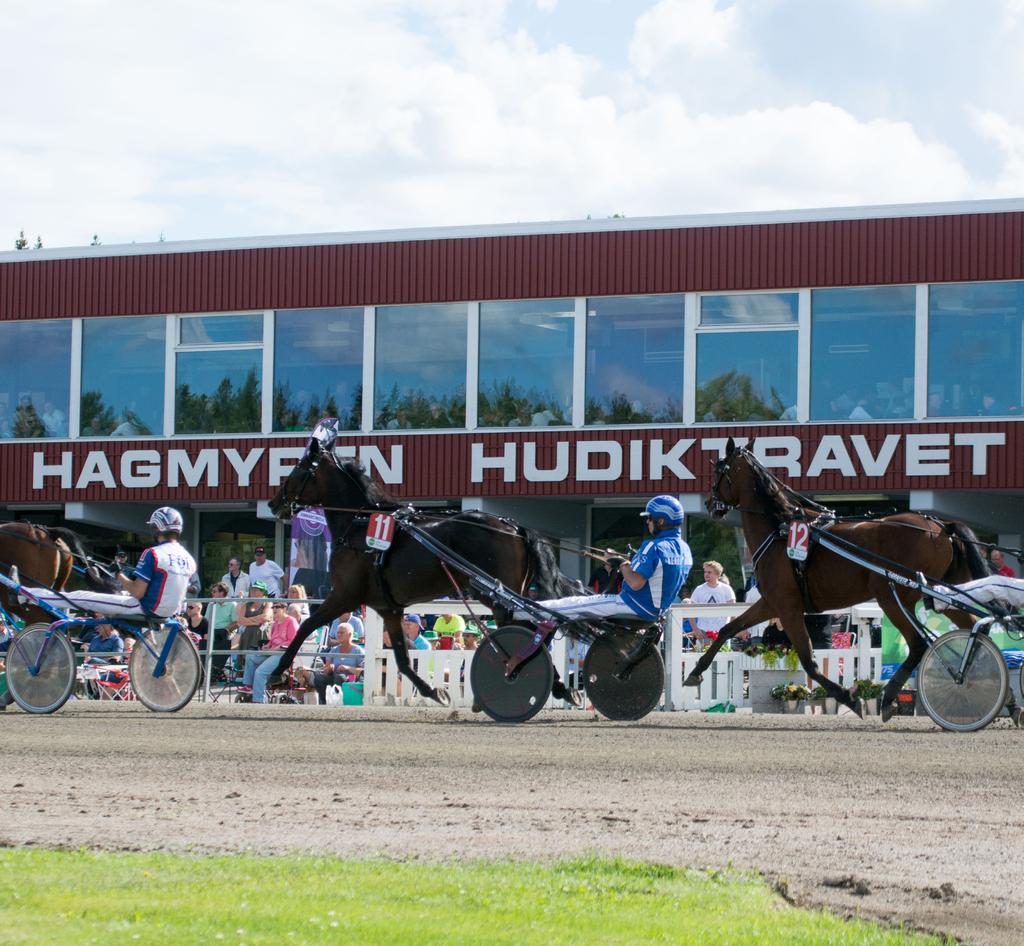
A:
(352, 694)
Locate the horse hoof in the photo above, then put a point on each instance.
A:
(476, 708)
(442, 697)
(858, 708)
(693, 680)
(888, 711)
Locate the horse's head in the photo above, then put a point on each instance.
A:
(725, 493)
(306, 485)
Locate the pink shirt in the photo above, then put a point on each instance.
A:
(282, 632)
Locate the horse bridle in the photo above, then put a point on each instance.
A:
(717, 504)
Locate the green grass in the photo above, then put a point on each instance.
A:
(77, 897)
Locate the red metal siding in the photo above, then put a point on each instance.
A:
(763, 256)
(439, 465)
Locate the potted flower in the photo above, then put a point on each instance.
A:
(819, 701)
(868, 692)
(771, 667)
(790, 695)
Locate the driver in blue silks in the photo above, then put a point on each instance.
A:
(650, 581)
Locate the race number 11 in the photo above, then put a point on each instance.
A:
(797, 544)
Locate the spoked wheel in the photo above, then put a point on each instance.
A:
(517, 698)
(172, 690)
(48, 689)
(617, 695)
(972, 704)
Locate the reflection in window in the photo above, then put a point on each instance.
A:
(218, 391)
(35, 368)
(318, 367)
(420, 375)
(746, 376)
(123, 376)
(862, 353)
(759, 308)
(975, 348)
(526, 363)
(221, 329)
(635, 360)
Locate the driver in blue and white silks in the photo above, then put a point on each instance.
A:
(159, 584)
(650, 580)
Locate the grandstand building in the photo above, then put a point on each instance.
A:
(559, 373)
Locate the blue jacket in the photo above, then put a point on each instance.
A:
(665, 561)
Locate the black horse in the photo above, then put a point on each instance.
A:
(406, 572)
(906, 544)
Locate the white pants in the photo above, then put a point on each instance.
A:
(584, 607)
(1000, 588)
(108, 603)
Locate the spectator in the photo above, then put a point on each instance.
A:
(265, 570)
(259, 667)
(106, 641)
(470, 637)
(219, 618)
(121, 563)
(449, 629)
(353, 618)
(605, 580)
(238, 582)
(412, 626)
(713, 591)
(999, 566)
(752, 635)
(252, 619)
(343, 663)
(197, 623)
(299, 610)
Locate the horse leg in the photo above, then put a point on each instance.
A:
(400, 646)
(800, 641)
(755, 614)
(915, 642)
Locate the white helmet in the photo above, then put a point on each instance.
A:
(166, 519)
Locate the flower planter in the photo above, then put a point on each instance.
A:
(817, 707)
(831, 706)
(762, 682)
(870, 706)
(791, 706)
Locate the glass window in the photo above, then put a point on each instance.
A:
(975, 349)
(218, 391)
(635, 360)
(35, 368)
(123, 376)
(318, 367)
(221, 329)
(746, 376)
(526, 363)
(759, 308)
(862, 353)
(420, 374)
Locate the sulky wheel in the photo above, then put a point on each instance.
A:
(617, 695)
(517, 698)
(48, 689)
(172, 690)
(972, 704)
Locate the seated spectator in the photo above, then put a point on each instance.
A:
(605, 580)
(252, 619)
(471, 637)
(197, 624)
(260, 666)
(715, 590)
(267, 571)
(299, 610)
(449, 629)
(106, 641)
(412, 626)
(998, 564)
(343, 663)
(219, 617)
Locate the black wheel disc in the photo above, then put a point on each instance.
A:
(517, 698)
(633, 695)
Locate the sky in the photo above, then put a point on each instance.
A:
(137, 121)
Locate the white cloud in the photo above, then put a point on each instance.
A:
(695, 27)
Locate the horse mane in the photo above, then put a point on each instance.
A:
(370, 495)
(772, 491)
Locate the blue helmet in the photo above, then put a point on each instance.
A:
(665, 507)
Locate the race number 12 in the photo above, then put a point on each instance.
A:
(798, 542)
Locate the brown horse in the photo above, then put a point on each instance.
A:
(904, 544)
(406, 572)
(45, 556)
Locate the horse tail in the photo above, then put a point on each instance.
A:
(94, 577)
(965, 552)
(544, 571)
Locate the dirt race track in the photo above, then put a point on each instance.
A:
(898, 822)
